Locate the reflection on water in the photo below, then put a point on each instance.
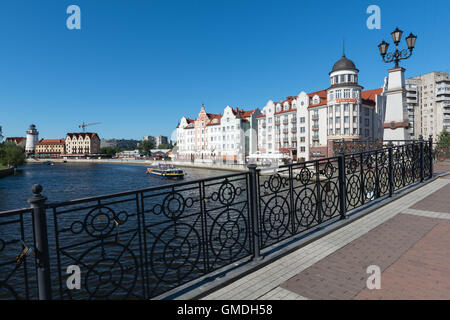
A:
(68, 181)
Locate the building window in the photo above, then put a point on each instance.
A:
(346, 93)
(346, 131)
(302, 119)
(302, 149)
(302, 129)
(338, 108)
(345, 107)
(345, 119)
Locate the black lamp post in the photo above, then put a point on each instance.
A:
(397, 55)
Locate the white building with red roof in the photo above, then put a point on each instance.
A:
(227, 137)
(82, 143)
(304, 126)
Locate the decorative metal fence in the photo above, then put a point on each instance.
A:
(145, 243)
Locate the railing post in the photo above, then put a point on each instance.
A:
(253, 206)
(422, 158)
(391, 168)
(431, 155)
(37, 202)
(342, 187)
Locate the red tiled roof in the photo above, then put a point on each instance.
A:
(262, 115)
(82, 134)
(323, 98)
(16, 140)
(51, 142)
(368, 96)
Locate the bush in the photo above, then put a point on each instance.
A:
(11, 155)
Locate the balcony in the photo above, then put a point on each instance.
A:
(315, 128)
(442, 98)
(294, 130)
(285, 121)
(277, 122)
(315, 116)
(285, 139)
(315, 138)
(294, 139)
(293, 120)
(263, 125)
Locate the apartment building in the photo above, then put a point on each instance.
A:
(304, 127)
(54, 147)
(230, 136)
(82, 143)
(428, 103)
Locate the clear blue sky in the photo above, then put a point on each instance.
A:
(138, 66)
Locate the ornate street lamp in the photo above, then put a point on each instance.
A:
(397, 55)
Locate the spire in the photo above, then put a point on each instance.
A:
(343, 47)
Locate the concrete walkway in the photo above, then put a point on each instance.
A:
(408, 239)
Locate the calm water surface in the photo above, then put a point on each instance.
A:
(68, 181)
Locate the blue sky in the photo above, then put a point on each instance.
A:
(138, 66)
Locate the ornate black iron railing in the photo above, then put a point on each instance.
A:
(147, 243)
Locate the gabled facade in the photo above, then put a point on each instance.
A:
(82, 143)
(230, 136)
(304, 127)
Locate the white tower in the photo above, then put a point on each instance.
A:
(32, 139)
(396, 117)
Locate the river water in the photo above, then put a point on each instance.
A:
(68, 181)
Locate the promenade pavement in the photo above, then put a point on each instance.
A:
(408, 239)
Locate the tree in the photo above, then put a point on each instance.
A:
(108, 151)
(444, 138)
(11, 154)
(163, 146)
(145, 147)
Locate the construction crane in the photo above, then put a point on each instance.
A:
(84, 125)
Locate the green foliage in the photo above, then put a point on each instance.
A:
(444, 138)
(164, 146)
(108, 151)
(11, 155)
(145, 146)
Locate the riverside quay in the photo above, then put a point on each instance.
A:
(160, 242)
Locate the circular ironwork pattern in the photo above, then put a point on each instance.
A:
(227, 193)
(175, 253)
(99, 222)
(276, 217)
(383, 180)
(304, 176)
(306, 207)
(352, 165)
(228, 235)
(173, 205)
(114, 274)
(370, 185)
(409, 172)
(329, 170)
(353, 188)
(330, 199)
(275, 183)
(398, 175)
